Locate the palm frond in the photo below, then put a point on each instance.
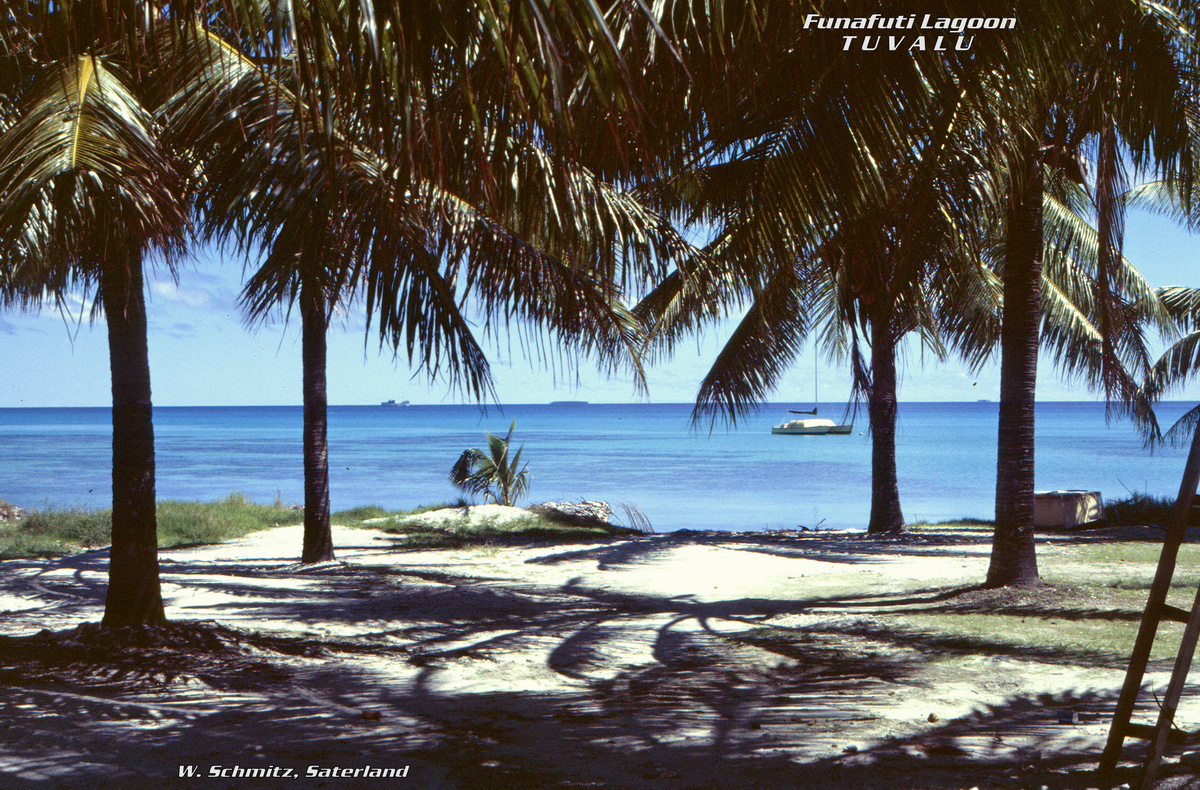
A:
(1181, 431)
(83, 174)
(761, 348)
(1178, 364)
(551, 266)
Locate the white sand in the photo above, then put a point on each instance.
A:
(471, 515)
(628, 639)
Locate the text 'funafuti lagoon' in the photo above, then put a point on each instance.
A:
(909, 22)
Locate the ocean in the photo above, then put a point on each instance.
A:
(647, 455)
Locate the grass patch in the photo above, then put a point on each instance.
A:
(15, 545)
(1051, 624)
(1086, 613)
(197, 523)
(1069, 636)
(460, 503)
(357, 515)
(1130, 552)
(1121, 566)
(74, 526)
(967, 524)
(56, 531)
(532, 528)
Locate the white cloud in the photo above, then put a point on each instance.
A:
(191, 297)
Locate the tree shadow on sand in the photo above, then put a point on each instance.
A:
(706, 715)
(853, 548)
(483, 682)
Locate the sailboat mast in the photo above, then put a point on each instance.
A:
(816, 366)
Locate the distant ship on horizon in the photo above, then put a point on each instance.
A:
(393, 403)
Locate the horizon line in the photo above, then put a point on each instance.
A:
(561, 404)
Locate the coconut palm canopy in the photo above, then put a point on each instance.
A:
(365, 116)
(543, 250)
(981, 146)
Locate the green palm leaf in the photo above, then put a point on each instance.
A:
(81, 163)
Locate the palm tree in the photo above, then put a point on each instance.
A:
(877, 232)
(1179, 362)
(86, 210)
(822, 221)
(1125, 82)
(334, 224)
(89, 192)
(492, 473)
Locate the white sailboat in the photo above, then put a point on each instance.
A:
(812, 426)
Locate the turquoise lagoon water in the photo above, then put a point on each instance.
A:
(648, 455)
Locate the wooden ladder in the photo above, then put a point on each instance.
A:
(1157, 610)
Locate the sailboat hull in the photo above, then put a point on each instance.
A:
(816, 426)
(813, 427)
(799, 431)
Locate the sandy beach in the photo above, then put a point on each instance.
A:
(644, 662)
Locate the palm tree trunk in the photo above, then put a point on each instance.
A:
(318, 537)
(1014, 557)
(134, 595)
(886, 515)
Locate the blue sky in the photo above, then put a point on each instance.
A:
(202, 353)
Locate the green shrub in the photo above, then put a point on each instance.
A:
(1141, 510)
